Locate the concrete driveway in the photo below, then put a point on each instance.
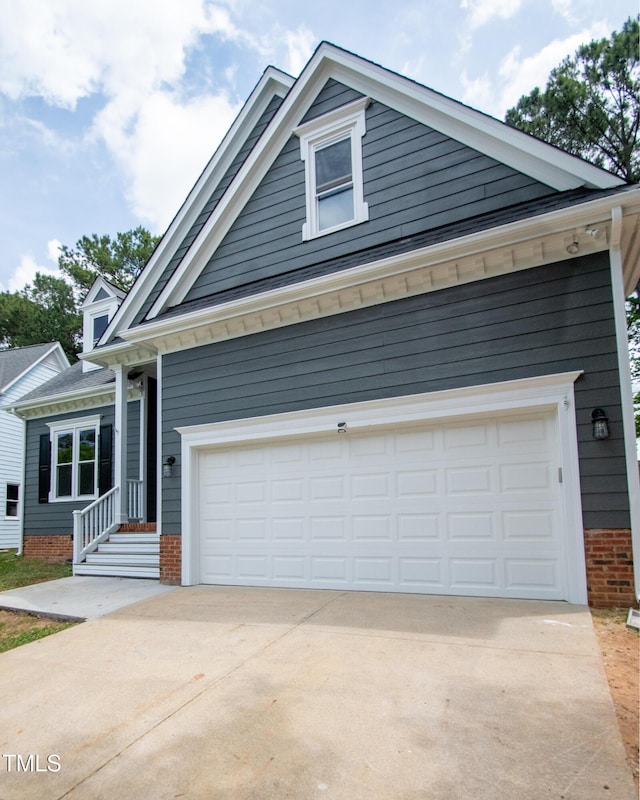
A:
(208, 692)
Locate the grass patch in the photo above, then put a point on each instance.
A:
(16, 571)
(18, 628)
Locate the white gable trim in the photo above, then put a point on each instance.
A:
(273, 83)
(536, 159)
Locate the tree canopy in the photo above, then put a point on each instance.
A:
(591, 104)
(47, 310)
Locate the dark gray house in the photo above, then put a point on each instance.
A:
(381, 347)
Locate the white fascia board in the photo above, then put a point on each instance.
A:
(42, 406)
(537, 159)
(273, 82)
(56, 349)
(590, 213)
(109, 288)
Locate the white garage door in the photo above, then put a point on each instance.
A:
(467, 508)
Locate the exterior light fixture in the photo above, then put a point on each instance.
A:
(600, 424)
(573, 248)
(167, 467)
(342, 427)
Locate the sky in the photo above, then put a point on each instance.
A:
(110, 109)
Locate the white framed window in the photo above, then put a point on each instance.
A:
(12, 501)
(331, 148)
(74, 459)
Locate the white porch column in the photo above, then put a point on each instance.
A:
(120, 466)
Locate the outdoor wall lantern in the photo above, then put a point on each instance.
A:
(167, 467)
(600, 424)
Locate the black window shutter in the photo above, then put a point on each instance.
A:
(105, 456)
(44, 468)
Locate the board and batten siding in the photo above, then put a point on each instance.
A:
(57, 518)
(210, 206)
(415, 180)
(540, 321)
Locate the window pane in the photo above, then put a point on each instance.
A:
(65, 448)
(99, 327)
(335, 208)
(333, 165)
(87, 445)
(64, 481)
(13, 491)
(86, 479)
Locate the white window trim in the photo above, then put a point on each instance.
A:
(72, 426)
(18, 516)
(345, 122)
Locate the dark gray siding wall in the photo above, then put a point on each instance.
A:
(213, 201)
(415, 180)
(540, 321)
(56, 518)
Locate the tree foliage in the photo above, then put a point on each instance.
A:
(47, 310)
(591, 104)
(118, 260)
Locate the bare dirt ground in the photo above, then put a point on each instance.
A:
(620, 647)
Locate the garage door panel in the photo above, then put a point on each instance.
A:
(465, 508)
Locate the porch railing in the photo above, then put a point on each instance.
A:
(95, 523)
(135, 507)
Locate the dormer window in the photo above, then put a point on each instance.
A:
(98, 309)
(331, 148)
(100, 325)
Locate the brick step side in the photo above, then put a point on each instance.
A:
(138, 527)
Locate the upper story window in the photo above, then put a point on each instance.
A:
(331, 148)
(100, 325)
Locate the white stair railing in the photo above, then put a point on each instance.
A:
(135, 499)
(93, 524)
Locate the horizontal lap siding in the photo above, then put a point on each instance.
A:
(540, 321)
(57, 518)
(415, 179)
(209, 207)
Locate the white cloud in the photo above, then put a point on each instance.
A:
(25, 272)
(162, 148)
(300, 44)
(518, 74)
(479, 12)
(53, 250)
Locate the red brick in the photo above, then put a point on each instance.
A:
(609, 567)
(171, 559)
(54, 548)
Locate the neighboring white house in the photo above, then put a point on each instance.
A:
(22, 369)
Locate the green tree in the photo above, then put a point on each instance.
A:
(44, 311)
(47, 309)
(591, 104)
(118, 260)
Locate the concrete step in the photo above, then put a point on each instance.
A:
(133, 549)
(134, 559)
(134, 538)
(117, 570)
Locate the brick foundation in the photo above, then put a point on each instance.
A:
(54, 549)
(171, 559)
(138, 527)
(609, 567)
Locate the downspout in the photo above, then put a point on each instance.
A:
(626, 392)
